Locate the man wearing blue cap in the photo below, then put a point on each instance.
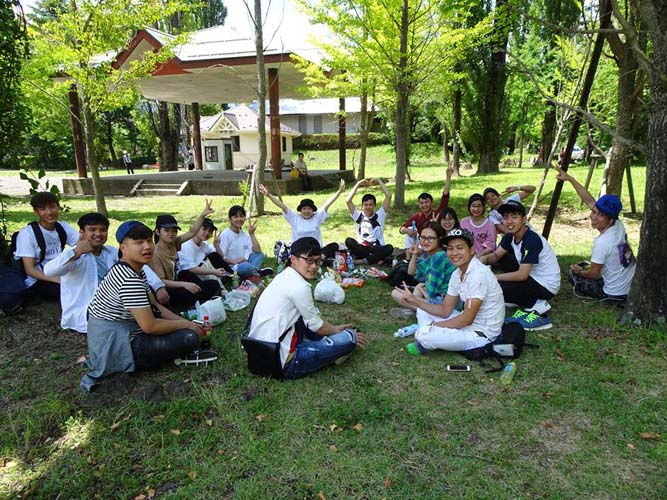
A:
(127, 327)
(612, 266)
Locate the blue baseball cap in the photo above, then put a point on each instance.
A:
(125, 228)
(610, 205)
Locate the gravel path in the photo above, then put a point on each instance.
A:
(13, 185)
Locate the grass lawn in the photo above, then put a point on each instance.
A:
(586, 416)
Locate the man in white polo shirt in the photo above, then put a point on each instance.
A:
(286, 313)
(473, 283)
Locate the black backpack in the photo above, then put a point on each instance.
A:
(12, 290)
(513, 334)
(399, 274)
(39, 237)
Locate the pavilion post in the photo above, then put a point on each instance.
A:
(196, 136)
(274, 120)
(341, 134)
(77, 132)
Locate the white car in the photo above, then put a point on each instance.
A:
(577, 153)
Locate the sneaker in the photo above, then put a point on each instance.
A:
(265, 271)
(532, 322)
(198, 357)
(517, 316)
(401, 313)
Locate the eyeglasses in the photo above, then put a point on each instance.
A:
(310, 261)
(428, 238)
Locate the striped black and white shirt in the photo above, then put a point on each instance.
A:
(121, 289)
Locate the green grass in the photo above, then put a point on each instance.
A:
(568, 427)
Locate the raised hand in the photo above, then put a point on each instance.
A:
(561, 175)
(341, 186)
(207, 208)
(263, 190)
(252, 228)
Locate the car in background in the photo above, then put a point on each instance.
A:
(577, 153)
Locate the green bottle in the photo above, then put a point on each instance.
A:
(508, 373)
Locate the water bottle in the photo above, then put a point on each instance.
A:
(414, 228)
(235, 280)
(508, 373)
(281, 267)
(350, 263)
(406, 331)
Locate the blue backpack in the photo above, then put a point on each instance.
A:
(12, 290)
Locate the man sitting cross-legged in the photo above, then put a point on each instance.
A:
(369, 247)
(83, 267)
(286, 305)
(535, 277)
(440, 325)
(127, 327)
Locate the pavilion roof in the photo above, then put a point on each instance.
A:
(215, 65)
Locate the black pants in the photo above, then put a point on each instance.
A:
(151, 351)
(46, 290)
(593, 288)
(183, 297)
(329, 251)
(372, 253)
(218, 262)
(306, 183)
(522, 293)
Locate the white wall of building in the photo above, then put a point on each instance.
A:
(248, 154)
(329, 123)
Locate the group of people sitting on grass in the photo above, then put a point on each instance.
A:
(127, 299)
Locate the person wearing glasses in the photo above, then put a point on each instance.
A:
(286, 313)
(433, 270)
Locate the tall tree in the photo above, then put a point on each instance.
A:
(80, 43)
(647, 302)
(13, 51)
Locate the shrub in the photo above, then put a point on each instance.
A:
(323, 142)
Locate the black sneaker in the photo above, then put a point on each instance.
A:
(198, 357)
(265, 271)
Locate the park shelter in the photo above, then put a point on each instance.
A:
(219, 65)
(229, 139)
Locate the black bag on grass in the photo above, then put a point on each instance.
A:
(399, 274)
(12, 289)
(512, 334)
(263, 356)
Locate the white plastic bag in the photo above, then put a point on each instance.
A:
(214, 309)
(236, 300)
(329, 291)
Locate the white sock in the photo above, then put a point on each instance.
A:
(541, 306)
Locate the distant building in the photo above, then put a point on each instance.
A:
(229, 139)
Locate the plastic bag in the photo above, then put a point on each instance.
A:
(329, 291)
(236, 300)
(214, 309)
(249, 287)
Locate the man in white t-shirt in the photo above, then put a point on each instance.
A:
(369, 247)
(536, 277)
(241, 250)
(286, 313)
(473, 283)
(54, 235)
(82, 267)
(612, 266)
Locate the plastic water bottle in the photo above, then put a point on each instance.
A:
(281, 267)
(235, 280)
(406, 331)
(414, 228)
(508, 373)
(350, 263)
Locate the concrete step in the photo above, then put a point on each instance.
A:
(155, 192)
(146, 185)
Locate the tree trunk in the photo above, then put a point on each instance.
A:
(548, 134)
(168, 139)
(489, 157)
(261, 99)
(445, 144)
(91, 156)
(109, 136)
(458, 98)
(511, 144)
(647, 302)
(625, 110)
(402, 112)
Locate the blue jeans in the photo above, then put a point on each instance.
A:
(250, 266)
(315, 351)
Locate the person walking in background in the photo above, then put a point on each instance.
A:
(127, 162)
